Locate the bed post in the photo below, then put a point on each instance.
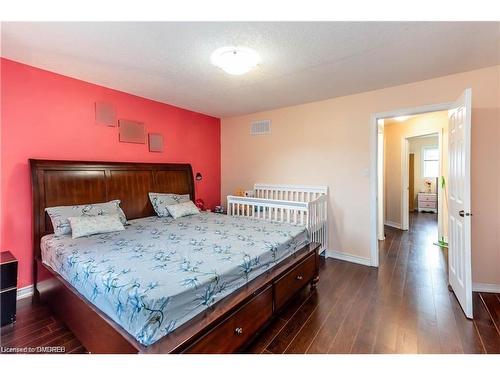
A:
(36, 294)
(315, 280)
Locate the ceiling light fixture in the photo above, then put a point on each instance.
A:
(401, 118)
(235, 60)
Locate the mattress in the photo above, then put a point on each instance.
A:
(160, 272)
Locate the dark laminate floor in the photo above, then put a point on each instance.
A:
(403, 307)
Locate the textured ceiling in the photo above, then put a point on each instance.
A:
(301, 61)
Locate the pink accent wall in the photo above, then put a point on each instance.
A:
(50, 116)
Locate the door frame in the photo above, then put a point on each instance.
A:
(380, 181)
(374, 194)
(405, 169)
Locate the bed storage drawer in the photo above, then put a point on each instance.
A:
(239, 328)
(293, 280)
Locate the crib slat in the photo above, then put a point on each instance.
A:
(313, 216)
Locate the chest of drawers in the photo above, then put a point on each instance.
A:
(427, 202)
(8, 287)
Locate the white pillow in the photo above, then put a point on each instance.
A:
(182, 209)
(59, 215)
(82, 226)
(160, 201)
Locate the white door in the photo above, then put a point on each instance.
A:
(459, 241)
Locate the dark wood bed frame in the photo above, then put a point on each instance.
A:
(226, 327)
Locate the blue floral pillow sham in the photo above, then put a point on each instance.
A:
(83, 226)
(59, 215)
(182, 209)
(160, 202)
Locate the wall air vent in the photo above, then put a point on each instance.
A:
(260, 127)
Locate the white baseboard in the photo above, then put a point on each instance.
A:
(392, 224)
(348, 257)
(486, 288)
(25, 292)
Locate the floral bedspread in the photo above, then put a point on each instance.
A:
(160, 272)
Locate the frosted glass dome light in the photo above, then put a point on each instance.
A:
(235, 60)
(401, 118)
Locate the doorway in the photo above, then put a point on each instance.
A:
(424, 173)
(453, 194)
(413, 155)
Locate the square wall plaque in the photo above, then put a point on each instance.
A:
(105, 114)
(155, 142)
(132, 131)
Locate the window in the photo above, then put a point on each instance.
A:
(430, 162)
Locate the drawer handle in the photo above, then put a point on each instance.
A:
(299, 277)
(238, 331)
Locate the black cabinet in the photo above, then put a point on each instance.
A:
(8, 287)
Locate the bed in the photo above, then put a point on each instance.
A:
(228, 276)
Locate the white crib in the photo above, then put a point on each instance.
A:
(303, 205)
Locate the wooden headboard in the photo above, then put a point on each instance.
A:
(65, 183)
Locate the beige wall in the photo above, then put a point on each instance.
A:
(394, 132)
(328, 142)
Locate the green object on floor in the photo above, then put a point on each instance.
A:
(441, 243)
